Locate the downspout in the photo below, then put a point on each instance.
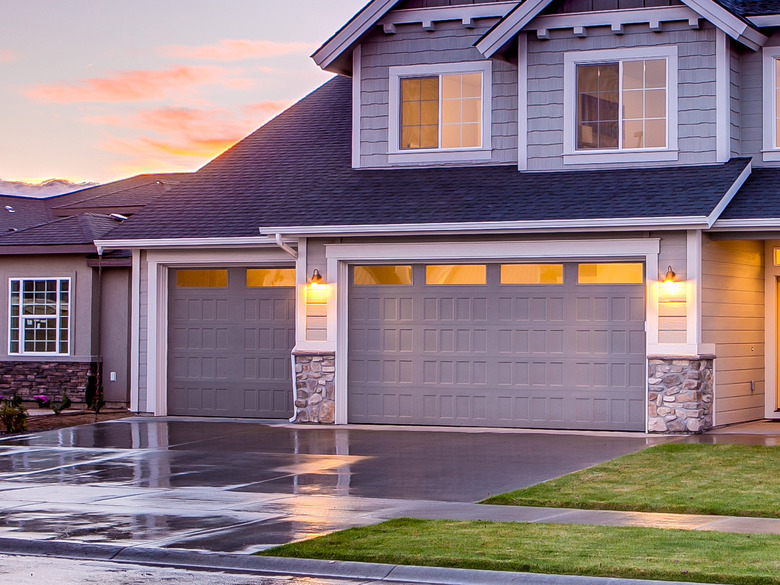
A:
(294, 254)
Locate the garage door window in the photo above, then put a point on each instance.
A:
(532, 274)
(265, 277)
(447, 274)
(383, 275)
(201, 279)
(613, 273)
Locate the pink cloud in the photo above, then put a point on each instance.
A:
(7, 55)
(236, 50)
(133, 86)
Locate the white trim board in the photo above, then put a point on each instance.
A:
(769, 56)
(340, 255)
(187, 242)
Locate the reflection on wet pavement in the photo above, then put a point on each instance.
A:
(235, 486)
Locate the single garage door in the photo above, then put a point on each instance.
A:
(503, 345)
(230, 335)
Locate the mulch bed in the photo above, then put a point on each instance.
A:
(49, 422)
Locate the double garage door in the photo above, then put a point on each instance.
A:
(230, 335)
(501, 345)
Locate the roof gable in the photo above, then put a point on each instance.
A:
(730, 22)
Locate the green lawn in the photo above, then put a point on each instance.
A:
(735, 480)
(642, 553)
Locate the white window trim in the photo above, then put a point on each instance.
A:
(771, 150)
(21, 351)
(397, 155)
(570, 153)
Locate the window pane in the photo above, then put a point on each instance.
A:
(597, 105)
(456, 274)
(532, 274)
(410, 90)
(471, 110)
(450, 136)
(450, 87)
(633, 134)
(472, 85)
(655, 103)
(377, 275)
(410, 137)
(655, 73)
(471, 135)
(265, 277)
(419, 109)
(411, 114)
(186, 278)
(429, 88)
(633, 104)
(633, 74)
(613, 273)
(450, 112)
(429, 137)
(655, 133)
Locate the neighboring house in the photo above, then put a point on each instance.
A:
(537, 214)
(66, 312)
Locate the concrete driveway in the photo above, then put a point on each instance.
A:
(241, 486)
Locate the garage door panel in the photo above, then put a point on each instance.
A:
(568, 351)
(229, 349)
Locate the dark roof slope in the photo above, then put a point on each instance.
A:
(296, 171)
(74, 230)
(19, 212)
(751, 7)
(759, 197)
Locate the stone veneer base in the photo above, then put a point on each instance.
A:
(315, 388)
(680, 394)
(53, 379)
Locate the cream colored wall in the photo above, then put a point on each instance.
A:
(673, 307)
(733, 320)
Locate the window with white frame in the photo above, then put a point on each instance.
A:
(620, 102)
(439, 109)
(39, 316)
(771, 57)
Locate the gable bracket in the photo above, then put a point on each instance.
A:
(428, 17)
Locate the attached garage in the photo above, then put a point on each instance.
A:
(554, 345)
(230, 334)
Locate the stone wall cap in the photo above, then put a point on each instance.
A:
(704, 356)
(313, 352)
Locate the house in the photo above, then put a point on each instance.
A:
(542, 214)
(66, 311)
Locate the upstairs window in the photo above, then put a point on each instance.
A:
(620, 105)
(439, 112)
(39, 316)
(442, 111)
(771, 150)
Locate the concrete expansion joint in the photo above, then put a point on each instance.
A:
(249, 564)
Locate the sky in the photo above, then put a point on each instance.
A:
(99, 90)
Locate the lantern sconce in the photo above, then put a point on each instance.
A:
(670, 275)
(316, 279)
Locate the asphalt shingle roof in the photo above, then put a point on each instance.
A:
(74, 230)
(296, 171)
(759, 197)
(18, 212)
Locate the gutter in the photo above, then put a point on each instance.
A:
(279, 242)
(185, 242)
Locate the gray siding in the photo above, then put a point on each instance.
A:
(735, 99)
(115, 334)
(673, 312)
(696, 89)
(451, 42)
(750, 103)
(733, 319)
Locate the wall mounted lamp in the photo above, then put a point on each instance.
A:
(670, 274)
(316, 279)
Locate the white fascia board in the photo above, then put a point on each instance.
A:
(444, 13)
(729, 195)
(764, 20)
(682, 222)
(351, 32)
(728, 225)
(732, 25)
(186, 242)
(507, 28)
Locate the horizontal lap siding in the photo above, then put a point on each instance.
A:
(696, 88)
(451, 42)
(672, 316)
(750, 103)
(735, 100)
(733, 319)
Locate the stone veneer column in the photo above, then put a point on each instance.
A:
(26, 379)
(680, 394)
(315, 388)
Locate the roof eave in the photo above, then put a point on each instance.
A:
(143, 243)
(575, 225)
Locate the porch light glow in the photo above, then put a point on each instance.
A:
(670, 275)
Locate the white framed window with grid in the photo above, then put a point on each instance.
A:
(39, 316)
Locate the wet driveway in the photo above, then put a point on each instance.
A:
(234, 486)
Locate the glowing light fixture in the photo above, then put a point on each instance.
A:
(316, 279)
(670, 275)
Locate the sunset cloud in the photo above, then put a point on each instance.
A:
(236, 50)
(7, 55)
(183, 137)
(44, 188)
(135, 86)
